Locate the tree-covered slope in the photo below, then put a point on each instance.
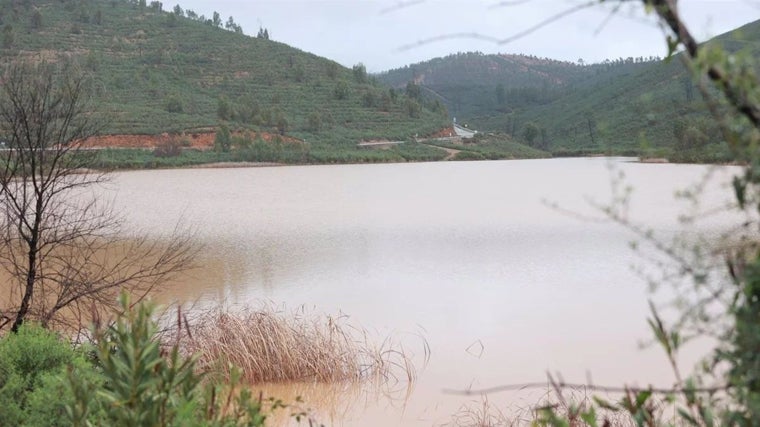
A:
(628, 105)
(653, 110)
(474, 84)
(158, 71)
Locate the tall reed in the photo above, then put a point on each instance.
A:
(270, 345)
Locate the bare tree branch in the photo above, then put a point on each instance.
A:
(509, 3)
(667, 10)
(400, 5)
(588, 387)
(501, 41)
(63, 248)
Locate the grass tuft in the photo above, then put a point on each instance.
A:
(269, 345)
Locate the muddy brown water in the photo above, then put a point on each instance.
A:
(469, 255)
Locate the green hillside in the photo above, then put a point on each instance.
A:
(658, 111)
(158, 71)
(641, 106)
(474, 84)
(625, 115)
(655, 111)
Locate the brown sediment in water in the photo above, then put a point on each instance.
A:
(327, 362)
(326, 403)
(97, 270)
(396, 262)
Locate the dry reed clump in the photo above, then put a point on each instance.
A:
(269, 345)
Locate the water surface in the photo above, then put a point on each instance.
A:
(467, 254)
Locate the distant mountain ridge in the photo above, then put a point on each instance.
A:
(474, 83)
(472, 66)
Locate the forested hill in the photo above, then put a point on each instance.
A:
(641, 106)
(656, 110)
(473, 84)
(159, 71)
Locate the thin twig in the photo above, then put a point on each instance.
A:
(591, 387)
(478, 36)
(400, 5)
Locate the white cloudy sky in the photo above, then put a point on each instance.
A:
(375, 31)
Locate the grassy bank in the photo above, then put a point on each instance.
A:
(289, 154)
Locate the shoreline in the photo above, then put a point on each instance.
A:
(233, 165)
(215, 164)
(244, 164)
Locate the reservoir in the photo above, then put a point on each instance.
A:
(488, 273)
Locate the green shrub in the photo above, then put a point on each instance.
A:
(144, 388)
(134, 381)
(314, 123)
(341, 90)
(170, 148)
(223, 139)
(33, 350)
(468, 155)
(149, 385)
(413, 108)
(174, 103)
(33, 386)
(242, 141)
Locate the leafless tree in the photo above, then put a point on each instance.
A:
(62, 247)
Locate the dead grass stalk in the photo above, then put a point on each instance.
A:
(270, 345)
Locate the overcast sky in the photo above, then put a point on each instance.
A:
(375, 32)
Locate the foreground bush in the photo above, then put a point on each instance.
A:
(147, 385)
(134, 375)
(33, 370)
(127, 379)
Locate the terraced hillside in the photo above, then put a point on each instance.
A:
(158, 71)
